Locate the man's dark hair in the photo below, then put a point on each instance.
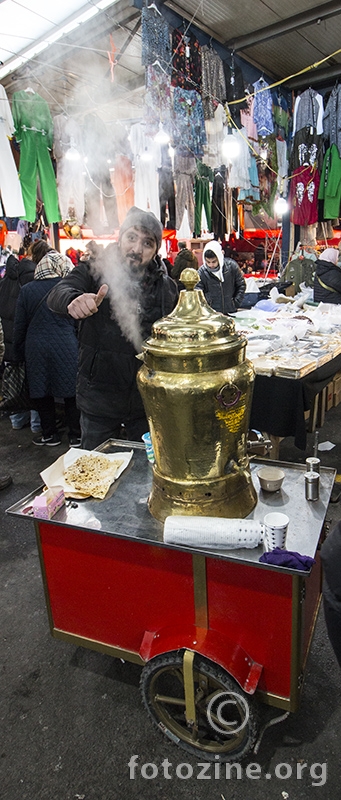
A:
(210, 254)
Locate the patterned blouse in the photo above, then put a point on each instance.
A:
(186, 60)
(262, 109)
(213, 81)
(155, 36)
(189, 134)
(158, 100)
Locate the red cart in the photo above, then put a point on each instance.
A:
(215, 632)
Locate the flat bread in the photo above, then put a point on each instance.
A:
(92, 475)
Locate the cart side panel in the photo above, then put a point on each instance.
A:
(111, 590)
(253, 607)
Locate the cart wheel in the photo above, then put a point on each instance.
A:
(226, 719)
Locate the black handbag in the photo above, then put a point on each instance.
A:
(15, 396)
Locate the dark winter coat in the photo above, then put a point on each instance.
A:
(184, 259)
(17, 274)
(46, 342)
(106, 383)
(223, 296)
(331, 562)
(330, 275)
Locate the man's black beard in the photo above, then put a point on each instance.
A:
(135, 266)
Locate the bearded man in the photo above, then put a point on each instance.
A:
(116, 295)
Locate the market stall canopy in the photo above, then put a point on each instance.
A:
(64, 51)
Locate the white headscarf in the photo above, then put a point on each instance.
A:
(330, 254)
(217, 250)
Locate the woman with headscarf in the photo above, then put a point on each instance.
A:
(221, 280)
(48, 344)
(327, 281)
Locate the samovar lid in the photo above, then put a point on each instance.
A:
(193, 325)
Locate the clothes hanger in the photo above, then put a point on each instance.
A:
(154, 6)
(157, 64)
(29, 89)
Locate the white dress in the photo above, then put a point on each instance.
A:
(70, 171)
(147, 160)
(12, 200)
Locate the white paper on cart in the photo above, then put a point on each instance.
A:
(217, 532)
(54, 475)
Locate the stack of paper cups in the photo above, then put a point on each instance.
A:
(149, 447)
(275, 530)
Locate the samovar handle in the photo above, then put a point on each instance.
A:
(220, 395)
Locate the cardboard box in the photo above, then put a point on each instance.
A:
(337, 398)
(330, 395)
(337, 383)
(46, 505)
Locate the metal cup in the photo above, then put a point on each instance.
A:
(312, 485)
(313, 464)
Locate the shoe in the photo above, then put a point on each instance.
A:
(74, 441)
(51, 441)
(5, 481)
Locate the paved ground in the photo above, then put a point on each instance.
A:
(71, 718)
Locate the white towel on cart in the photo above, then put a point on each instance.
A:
(215, 532)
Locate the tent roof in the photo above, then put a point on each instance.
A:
(70, 65)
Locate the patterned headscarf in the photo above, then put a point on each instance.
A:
(53, 265)
(330, 254)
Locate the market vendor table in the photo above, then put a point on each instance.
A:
(279, 404)
(112, 584)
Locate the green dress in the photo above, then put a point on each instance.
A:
(34, 132)
(330, 185)
(203, 177)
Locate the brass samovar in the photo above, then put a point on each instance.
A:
(196, 387)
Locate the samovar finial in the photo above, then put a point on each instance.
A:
(189, 277)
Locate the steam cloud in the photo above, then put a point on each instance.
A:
(124, 293)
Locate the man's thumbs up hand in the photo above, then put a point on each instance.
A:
(87, 304)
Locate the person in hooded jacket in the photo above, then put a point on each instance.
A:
(49, 346)
(221, 280)
(5, 480)
(17, 274)
(116, 295)
(327, 281)
(331, 562)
